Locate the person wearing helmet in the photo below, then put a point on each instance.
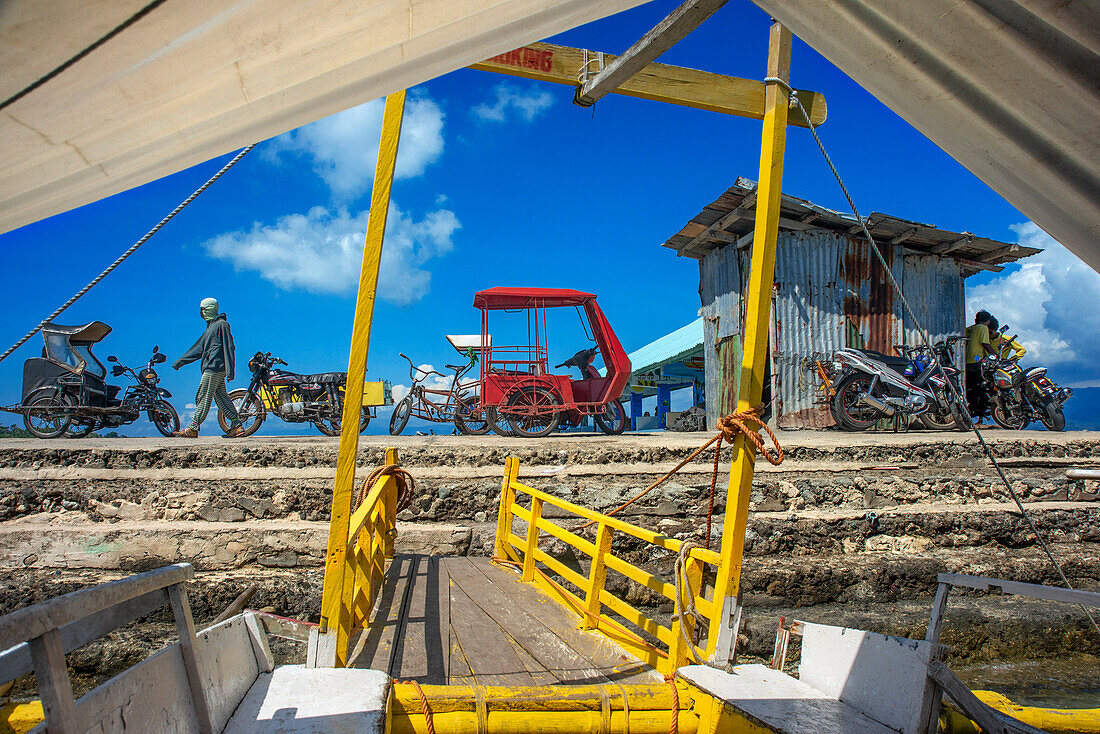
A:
(214, 351)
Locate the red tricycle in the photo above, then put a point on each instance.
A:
(517, 386)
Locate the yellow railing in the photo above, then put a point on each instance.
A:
(662, 647)
(371, 532)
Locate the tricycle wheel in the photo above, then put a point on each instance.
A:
(401, 413)
(498, 422)
(532, 413)
(79, 428)
(470, 420)
(613, 420)
(44, 414)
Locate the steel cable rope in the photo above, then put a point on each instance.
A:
(111, 34)
(133, 248)
(925, 337)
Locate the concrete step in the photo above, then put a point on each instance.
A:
(137, 546)
(441, 495)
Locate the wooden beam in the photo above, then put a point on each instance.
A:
(663, 36)
(947, 247)
(721, 223)
(999, 252)
(903, 236)
(809, 216)
(744, 240)
(703, 90)
(721, 639)
(979, 266)
(338, 578)
(1033, 591)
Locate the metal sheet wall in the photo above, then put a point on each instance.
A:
(720, 284)
(830, 292)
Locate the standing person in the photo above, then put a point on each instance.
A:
(978, 345)
(215, 349)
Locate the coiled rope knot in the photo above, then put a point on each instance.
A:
(401, 477)
(735, 424)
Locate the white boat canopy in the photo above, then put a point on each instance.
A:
(1009, 89)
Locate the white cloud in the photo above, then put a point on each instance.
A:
(321, 251)
(344, 147)
(525, 104)
(432, 382)
(1050, 302)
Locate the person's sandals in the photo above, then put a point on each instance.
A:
(233, 432)
(186, 433)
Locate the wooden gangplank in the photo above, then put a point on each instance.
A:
(461, 621)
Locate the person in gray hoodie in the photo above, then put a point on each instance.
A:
(215, 349)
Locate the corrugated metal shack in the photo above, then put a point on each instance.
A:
(830, 292)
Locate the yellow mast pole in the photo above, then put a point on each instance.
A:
(335, 596)
(722, 635)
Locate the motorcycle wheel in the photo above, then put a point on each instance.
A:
(498, 423)
(43, 415)
(847, 411)
(164, 417)
(613, 420)
(939, 419)
(333, 427)
(250, 411)
(400, 417)
(1052, 416)
(1002, 418)
(80, 428)
(468, 419)
(527, 425)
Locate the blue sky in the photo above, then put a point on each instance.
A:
(503, 181)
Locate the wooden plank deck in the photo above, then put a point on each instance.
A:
(458, 620)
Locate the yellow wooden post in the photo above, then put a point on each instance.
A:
(502, 548)
(390, 507)
(597, 577)
(334, 613)
(722, 636)
(532, 540)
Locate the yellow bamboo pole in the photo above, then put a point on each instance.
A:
(757, 314)
(335, 615)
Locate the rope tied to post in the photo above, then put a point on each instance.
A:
(401, 477)
(729, 428)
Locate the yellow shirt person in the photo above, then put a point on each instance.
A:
(977, 335)
(1007, 348)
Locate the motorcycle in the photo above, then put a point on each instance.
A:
(64, 392)
(871, 386)
(1018, 396)
(293, 397)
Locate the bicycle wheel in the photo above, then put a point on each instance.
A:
(400, 417)
(469, 419)
(498, 422)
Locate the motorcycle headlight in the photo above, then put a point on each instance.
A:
(150, 376)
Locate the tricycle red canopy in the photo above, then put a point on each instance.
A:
(516, 381)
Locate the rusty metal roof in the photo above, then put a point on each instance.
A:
(730, 218)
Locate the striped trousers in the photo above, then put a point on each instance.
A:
(212, 388)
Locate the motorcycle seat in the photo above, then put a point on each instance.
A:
(326, 378)
(898, 364)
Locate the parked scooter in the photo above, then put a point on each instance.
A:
(871, 386)
(316, 399)
(1018, 396)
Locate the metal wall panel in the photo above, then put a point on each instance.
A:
(720, 283)
(809, 324)
(830, 292)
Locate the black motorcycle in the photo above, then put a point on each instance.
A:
(1018, 396)
(65, 394)
(316, 399)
